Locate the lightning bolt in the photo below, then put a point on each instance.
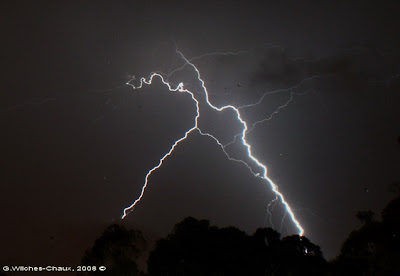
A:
(271, 203)
(245, 129)
(277, 110)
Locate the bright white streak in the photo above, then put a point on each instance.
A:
(274, 187)
(180, 88)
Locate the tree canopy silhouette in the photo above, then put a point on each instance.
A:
(196, 248)
(374, 248)
(117, 249)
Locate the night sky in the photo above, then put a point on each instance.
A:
(76, 142)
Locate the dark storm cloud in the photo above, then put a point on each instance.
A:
(277, 69)
(358, 67)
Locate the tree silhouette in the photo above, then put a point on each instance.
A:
(117, 249)
(262, 256)
(299, 256)
(374, 248)
(366, 217)
(196, 248)
(391, 233)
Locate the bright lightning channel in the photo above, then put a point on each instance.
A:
(180, 88)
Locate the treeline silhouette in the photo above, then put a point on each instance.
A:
(194, 247)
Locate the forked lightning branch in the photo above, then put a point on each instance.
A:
(242, 136)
